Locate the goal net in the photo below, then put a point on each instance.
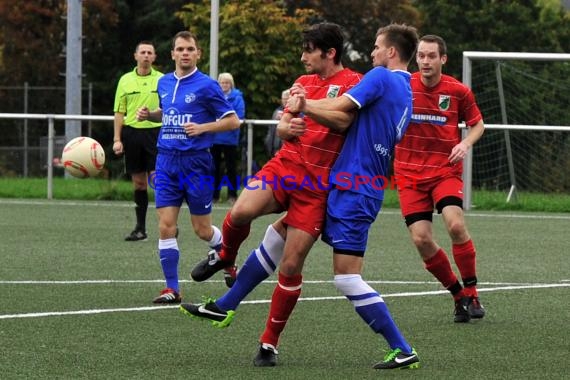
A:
(525, 102)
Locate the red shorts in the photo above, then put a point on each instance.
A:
(301, 197)
(416, 197)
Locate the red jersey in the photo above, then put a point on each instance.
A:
(318, 148)
(433, 131)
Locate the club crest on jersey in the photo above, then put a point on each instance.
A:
(444, 101)
(333, 91)
(189, 98)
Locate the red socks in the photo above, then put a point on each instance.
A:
(440, 267)
(464, 256)
(232, 237)
(283, 302)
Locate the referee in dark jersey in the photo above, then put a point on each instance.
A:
(137, 139)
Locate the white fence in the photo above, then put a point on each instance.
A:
(50, 119)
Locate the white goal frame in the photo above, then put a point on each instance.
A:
(468, 58)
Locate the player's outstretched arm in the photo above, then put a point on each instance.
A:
(334, 113)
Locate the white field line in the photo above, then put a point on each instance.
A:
(224, 207)
(105, 282)
(153, 308)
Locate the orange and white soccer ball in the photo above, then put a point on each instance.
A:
(83, 157)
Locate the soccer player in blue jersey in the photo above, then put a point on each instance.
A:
(192, 107)
(384, 102)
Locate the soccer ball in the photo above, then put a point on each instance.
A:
(83, 157)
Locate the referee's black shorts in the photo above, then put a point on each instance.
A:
(139, 145)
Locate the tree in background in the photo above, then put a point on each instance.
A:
(152, 20)
(34, 34)
(490, 25)
(259, 40)
(32, 41)
(258, 43)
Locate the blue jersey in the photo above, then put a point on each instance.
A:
(193, 98)
(384, 99)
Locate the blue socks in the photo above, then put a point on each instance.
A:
(169, 255)
(371, 307)
(258, 266)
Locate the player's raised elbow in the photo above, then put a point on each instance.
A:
(337, 127)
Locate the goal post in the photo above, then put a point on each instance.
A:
(518, 99)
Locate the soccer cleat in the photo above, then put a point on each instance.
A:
(209, 266)
(230, 274)
(136, 235)
(476, 310)
(168, 295)
(266, 356)
(398, 359)
(209, 311)
(461, 313)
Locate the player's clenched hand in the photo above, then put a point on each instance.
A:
(143, 114)
(193, 129)
(458, 153)
(297, 126)
(297, 89)
(296, 102)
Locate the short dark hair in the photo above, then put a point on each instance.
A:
(403, 37)
(143, 42)
(324, 36)
(186, 35)
(442, 46)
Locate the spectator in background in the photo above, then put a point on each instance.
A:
(272, 141)
(225, 146)
(137, 139)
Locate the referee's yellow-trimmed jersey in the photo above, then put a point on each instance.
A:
(135, 91)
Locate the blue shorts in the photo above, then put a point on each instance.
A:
(184, 176)
(349, 217)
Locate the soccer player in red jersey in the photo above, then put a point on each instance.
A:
(428, 166)
(294, 180)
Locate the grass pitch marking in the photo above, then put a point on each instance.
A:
(155, 308)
